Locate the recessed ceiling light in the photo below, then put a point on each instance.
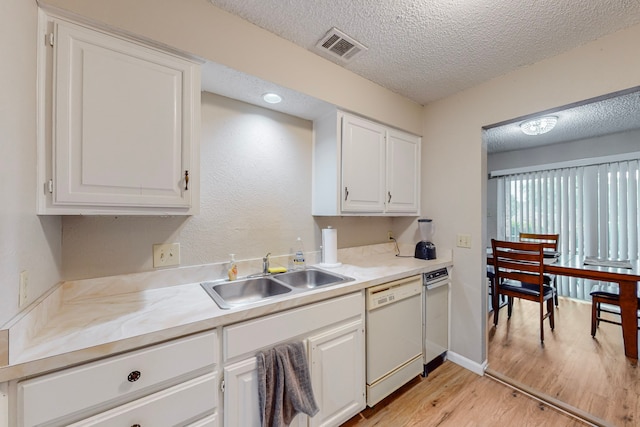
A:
(539, 126)
(272, 98)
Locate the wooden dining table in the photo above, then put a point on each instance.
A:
(626, 278)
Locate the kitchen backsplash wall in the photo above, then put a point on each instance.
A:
(255, 198)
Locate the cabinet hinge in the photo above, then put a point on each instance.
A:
(50, 39)
(50, 186)
(222, 385)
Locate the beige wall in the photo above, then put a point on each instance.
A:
(454, 159)
(29, 243)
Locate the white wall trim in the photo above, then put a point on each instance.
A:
(4, 405)
(567, 164)
(475, 367)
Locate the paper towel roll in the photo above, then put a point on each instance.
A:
(330, 247)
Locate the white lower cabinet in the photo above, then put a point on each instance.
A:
(210, 421)
(178, 383)
(337, 374)
(172, 407)
(241, 405)
(168, 384)
(333, 333)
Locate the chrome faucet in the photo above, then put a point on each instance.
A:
(265, 264)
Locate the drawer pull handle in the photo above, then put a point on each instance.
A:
(136, 425)
(134, 376)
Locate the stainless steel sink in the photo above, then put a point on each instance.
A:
(311, 278)
(244, 291)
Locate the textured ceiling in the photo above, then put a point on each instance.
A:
(600, 117)
(429, 49)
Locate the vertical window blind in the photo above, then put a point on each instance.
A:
(595, 209)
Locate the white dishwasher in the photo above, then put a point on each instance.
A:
(394, 336)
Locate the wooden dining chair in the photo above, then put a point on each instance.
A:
(605, 293)
(518, 269)
(550, 242)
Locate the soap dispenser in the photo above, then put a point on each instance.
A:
(233, 268)
(298, 257)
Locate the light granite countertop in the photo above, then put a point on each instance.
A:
(80, 321)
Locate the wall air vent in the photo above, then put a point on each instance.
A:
(339, 45)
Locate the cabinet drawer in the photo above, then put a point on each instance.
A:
(62, 393)
(172, 407)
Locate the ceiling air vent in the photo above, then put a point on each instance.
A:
(339, 45)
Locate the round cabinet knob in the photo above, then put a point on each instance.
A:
(133, 377)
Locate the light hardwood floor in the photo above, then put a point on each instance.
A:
(592, 375)
(452, 396)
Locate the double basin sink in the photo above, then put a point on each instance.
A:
(237, 293)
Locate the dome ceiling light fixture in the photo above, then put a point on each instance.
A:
(539, 125)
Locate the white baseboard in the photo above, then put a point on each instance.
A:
(469, 364)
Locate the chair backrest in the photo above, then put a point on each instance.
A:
(549, 241)
(520, 261)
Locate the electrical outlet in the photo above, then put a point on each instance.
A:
(166, 255)
(389, 235)
(464, 241)
(22, 290)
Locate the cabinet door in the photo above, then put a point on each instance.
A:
(123, 123)
(363, 165)
(337, 364)
(403, 172)
(241, 404)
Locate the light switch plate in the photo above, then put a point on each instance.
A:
(464, 241)
(166, 255)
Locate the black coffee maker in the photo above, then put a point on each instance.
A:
(425, 249)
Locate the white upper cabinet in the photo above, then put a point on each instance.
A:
(363, 165)
(364, 168)
(403, 172)
(118, 125)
